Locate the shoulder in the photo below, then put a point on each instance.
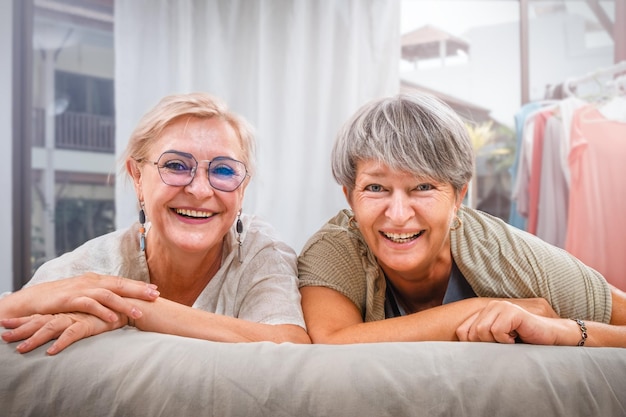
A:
(335, 241)
(500, 260)
(260, 236)
(258, 249)
(335, 232)
(106, 254)
(337, 257)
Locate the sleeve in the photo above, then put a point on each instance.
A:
(270, 293)
(329, 261)
(499, 260)
(116, 253)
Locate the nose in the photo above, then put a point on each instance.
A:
(200, 185)
(399, 209)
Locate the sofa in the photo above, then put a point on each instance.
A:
(128, 372)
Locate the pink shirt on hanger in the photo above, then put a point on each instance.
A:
(596, 228)
(534, 183)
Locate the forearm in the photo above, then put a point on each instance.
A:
(165, 316)
(598, 335)
(434, 324)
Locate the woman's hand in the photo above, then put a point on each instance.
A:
(504, 321)
(67, 328)
(102, 296)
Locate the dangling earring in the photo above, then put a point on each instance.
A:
(142, 228)
(239, 228)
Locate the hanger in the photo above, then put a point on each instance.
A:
(569, 86)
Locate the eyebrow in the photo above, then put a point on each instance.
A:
(181, 153)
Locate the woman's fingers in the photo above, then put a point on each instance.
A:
(497, 322)
(100, 295)
(104, 304)
(66, 328)
(105, 296)
(123, 287)
(76, 331)
(21, 328)
(80, 326)
(38, 331)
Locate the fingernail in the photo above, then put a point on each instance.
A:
(23, 346)
(52, 350)
(135, 313)
(154, 293)
(153, 286)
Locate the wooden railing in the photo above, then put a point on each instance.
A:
(78, 131)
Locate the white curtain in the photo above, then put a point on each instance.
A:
(296, 69)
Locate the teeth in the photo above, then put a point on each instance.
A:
(193, 213)
(402, 237)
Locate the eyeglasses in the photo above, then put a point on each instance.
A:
(178, 169)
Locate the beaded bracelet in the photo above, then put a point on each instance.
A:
(583, 331)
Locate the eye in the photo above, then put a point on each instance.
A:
(176, 165)
(375, 188)
(425, 187)
(223, 169)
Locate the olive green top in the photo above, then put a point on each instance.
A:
(498, 260)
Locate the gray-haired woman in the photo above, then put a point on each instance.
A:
(409, 262)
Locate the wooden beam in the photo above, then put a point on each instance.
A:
(524, 64)
(604, 20)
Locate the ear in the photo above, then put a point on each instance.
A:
(133, 170)
(347, 194)
(461, 195)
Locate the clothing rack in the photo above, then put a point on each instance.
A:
(571, 154)
(570, 84)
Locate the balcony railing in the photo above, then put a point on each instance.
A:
(77, 131)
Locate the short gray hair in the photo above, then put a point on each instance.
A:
(415, 133)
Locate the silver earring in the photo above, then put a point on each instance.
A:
(239, 228)
(142, 228)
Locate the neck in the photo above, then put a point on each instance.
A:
(420, 293)
(182, 277)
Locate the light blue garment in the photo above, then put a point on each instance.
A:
(515, 219)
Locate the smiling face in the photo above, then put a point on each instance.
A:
(195, 217)
(404, 219)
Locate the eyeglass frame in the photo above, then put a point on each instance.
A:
(192, 171)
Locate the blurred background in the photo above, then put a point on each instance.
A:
(79, 74)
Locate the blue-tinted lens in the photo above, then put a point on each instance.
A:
(226, 174)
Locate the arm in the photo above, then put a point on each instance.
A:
(165, 316)
(501, 321)
(100, 295)
(333, 318)
(162, 316)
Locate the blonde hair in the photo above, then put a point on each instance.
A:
(200, 105)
